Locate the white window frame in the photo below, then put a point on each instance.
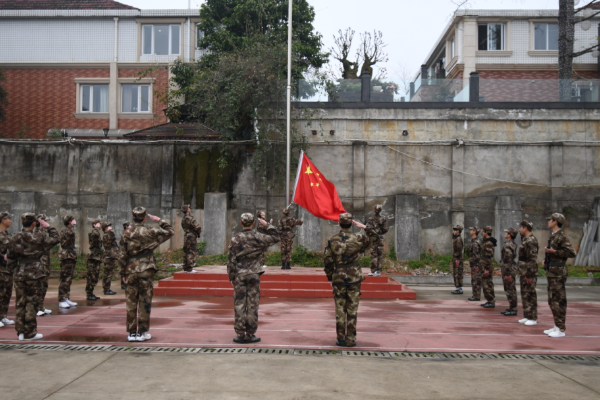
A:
(547, 36)
(503, 39)
(170, 41)
(91, 86)
(452, 47)
(150, 98)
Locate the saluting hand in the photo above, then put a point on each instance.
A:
(358, 224)
(153, 218)
(43, 223)
(263, 222)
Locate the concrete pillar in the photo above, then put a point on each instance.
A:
(469, 47)
(596, 216)
(424, 75)
(74, 154)
(458, 189)
(118, 210)
(365, 94)
(474, 87)
(555, 163)
(215, 223)
(507, 215)
(22, 202)
(309, 233)
(407, 227)
(113, 94)
(358, 175)
(166, 197)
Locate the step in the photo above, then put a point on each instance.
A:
(224, 284)
(268, 277)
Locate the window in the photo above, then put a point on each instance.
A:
(199, 35)
(161, 40)
(94, 98)
(135, 98)
(545, 36)
(452, 47)
(491, 37)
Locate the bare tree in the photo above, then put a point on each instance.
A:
(403, 77)
(370, 52)
(341, 51)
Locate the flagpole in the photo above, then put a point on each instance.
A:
(289, 105)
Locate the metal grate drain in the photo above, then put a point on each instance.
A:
(462, 356)
(408, 355)
(359, 353)
(305, 352)
(270, 351)
(228, 350)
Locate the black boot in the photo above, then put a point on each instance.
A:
(288, 266)
(283, 265)
(109, 293)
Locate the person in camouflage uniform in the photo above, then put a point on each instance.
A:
(25, 260)
(508, 266)
(262, 229)
(487, 267)
(6, 278)
(192, 230)
(528, 273)
(68, 259)
(345, 274)
(379, 225)
(111, 257)
(475, 263)
(557, 253)
(286, 235)
(46, 262)
(122, 270)
(244, 268)
(137, 256)
(458, 258)
(94, 260)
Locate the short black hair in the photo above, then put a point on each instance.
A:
(511, 235)
(559, 224)
(138, 220)
(525, 226)
(346, 226)
(27, 224)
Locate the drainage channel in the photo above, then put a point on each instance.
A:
(393, 355)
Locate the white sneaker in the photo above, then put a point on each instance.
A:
(531, 322)
(378, 273)
(371, 273)
(71, 303)
(557, 333)
(63, 304)
(522, 321)
(191, 272)
(1, 324)
(47, 312)
(36, 337)
(549, 331)
(6, 321)
(142, 337)
(132, 337)
(40, 313)
(264, 266)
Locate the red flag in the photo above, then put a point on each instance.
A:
(315, 193)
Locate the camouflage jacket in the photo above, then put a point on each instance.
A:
(246, 250)
(564, 250)
(285, 226)
(457, 248)
(26, 251)
(139, 243)
(46, 257)
(341, 255)
(95, 239)
(379, 225)
(528, 253)
(508, 265)
(111, 248)
(475, 252)
(67, 244)
(190, 225)
(4, 242)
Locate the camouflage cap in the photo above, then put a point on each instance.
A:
(259, 214)
(345, 218)
(96, 221)
(488, 229)
(286, 211)
(185, 208)
(105, 225)
(28, 217)
(458, 228)
(247, 219)
(139, 213)
(558, 217)
(527, 225)
(476, 229)
(43, 217)
(512, 232)
(378, 208)
(67, 219)
(4, 215)
(126, 224)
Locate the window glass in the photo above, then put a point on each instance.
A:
(552, 36)
(147, 39)
(540, 35)
(161, 40)
(130, 98)
(85, 98)
(483, 37)
(145, 98)
(452, 47)
(495, 40)
(199, 35)
(175, 39)
(100, 98)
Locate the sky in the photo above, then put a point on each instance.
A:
(410, 27)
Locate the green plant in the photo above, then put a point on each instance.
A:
(365, 261)
(55, 133)
(392, 256)
(23, 132)
(201, 247)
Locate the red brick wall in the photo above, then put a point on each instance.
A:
(44, 98)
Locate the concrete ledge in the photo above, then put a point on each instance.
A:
(449, 281)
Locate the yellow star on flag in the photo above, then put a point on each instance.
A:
(308, 171)
(317, 185)
(312, 184)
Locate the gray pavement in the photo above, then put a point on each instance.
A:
(26, 374)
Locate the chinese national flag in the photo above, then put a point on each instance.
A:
(315, 193)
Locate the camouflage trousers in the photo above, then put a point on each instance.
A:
(346, 299)
(487, 281)
(190, 250)
(93, 274)
(67, 269)
(246, 297)
(286, 246)
(510, 288)
(110, 265)
(476, 281)
(6, 288)
(29, 300)
(45, 288)
(376, 258)
(140, 290)
(529, 298)
(557, 300)
(458, 272)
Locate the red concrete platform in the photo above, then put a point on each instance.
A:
(275, 282)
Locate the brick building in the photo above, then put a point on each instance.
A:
(75, 65)
(515, 53)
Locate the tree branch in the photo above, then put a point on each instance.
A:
(587, 18)
(584, 8)
(585, 51)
